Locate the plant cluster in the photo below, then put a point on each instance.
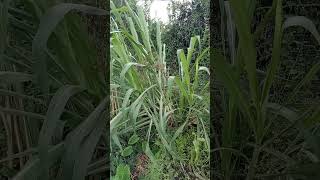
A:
(264, 132)
(152, 110)
(53, 100)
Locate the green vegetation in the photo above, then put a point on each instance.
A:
(154, 112)
(186, 19)
(54, 101)
(268, 129)
(53, 93)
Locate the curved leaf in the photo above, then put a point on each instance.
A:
(55, 109)
(48, 23)
(305, 23)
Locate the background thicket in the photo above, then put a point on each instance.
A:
(186, 19)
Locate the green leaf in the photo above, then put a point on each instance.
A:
(226, 74)
(126, 69)
(246, 44)
(126, 100)
(123, 172)
(133, 139)
(178, 131)
(276, 53)
(127, 151)
(75, 139)
(87, 150)
(303, 22)
(55, 109)
(48, 23)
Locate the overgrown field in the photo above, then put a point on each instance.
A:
(160, 121)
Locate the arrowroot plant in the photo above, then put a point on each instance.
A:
(250, 110)
(151, 109)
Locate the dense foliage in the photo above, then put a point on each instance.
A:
(267, 92)
(186, 19)
(160, 120)
(53, 101)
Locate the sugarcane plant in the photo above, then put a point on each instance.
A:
(53, 96)
(145, 97)
(246, 92)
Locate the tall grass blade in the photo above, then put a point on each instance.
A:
(246, 40)
(276, 53)
(47, 25)
(76, 137)
(55, 109)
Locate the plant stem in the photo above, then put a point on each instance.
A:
(253, 163)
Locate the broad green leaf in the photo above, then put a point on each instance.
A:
(123, 172)
(133, 139)
(127, 151)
